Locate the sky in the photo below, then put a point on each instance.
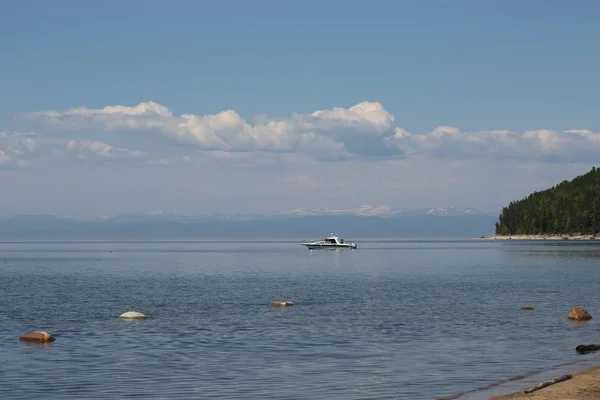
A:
(199, 107)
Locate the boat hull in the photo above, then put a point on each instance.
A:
(311, 246)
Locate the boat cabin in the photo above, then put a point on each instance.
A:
(334, 239)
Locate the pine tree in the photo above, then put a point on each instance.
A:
(569, 207)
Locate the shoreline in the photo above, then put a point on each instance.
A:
(583, 385)
(539, 237)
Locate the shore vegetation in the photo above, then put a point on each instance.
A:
(569, 208)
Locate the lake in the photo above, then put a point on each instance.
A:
(395, 319)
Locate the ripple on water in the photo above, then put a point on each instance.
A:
(414, 320)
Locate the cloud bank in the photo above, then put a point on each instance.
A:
(363, 131)
(222, 162)
(17, 149)
(88, 150)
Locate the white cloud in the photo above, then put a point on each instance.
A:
(363, 131)
(6, 161)
(170, 160)
(325, 134)
(542, 145)
(88, 150)
(370, 117)
(17, 149)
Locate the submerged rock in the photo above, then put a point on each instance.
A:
(133, 315)
(587, 348)
(281, 304)
(527, 308)
(579, 314)
(37, 336)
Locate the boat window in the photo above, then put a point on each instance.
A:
(332, 241)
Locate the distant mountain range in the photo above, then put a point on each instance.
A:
(366, 211)
(385, 211)
(363, 222)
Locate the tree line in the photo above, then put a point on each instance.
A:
(567, 208)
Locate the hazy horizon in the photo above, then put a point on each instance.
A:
(152, 228)
(365, 210)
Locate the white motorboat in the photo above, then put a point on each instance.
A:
(332, 241)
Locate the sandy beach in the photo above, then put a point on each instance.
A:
(582, 386)
(539, 237)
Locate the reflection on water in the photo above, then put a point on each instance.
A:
(393, 319)
(565, 250)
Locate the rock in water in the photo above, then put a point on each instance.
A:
(38, 336)
(527, 308)
(579, 314)
(583, 348)
(133, 315)
(281, 304)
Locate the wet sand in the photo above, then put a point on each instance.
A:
(583, 386)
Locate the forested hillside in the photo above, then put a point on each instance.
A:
(569, 207)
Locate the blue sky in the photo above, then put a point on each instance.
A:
(466, 103)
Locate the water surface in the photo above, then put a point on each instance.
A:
(398, 319)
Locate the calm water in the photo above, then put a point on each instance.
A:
(392, 320)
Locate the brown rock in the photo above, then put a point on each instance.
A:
(527, 308)
(579, 314)
(281, 304)
(37, 336)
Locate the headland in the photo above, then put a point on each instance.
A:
(555, 237)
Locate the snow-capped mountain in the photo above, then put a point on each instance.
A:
(365, 210)
(458, 211)
(381, 210)
(365, 221)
